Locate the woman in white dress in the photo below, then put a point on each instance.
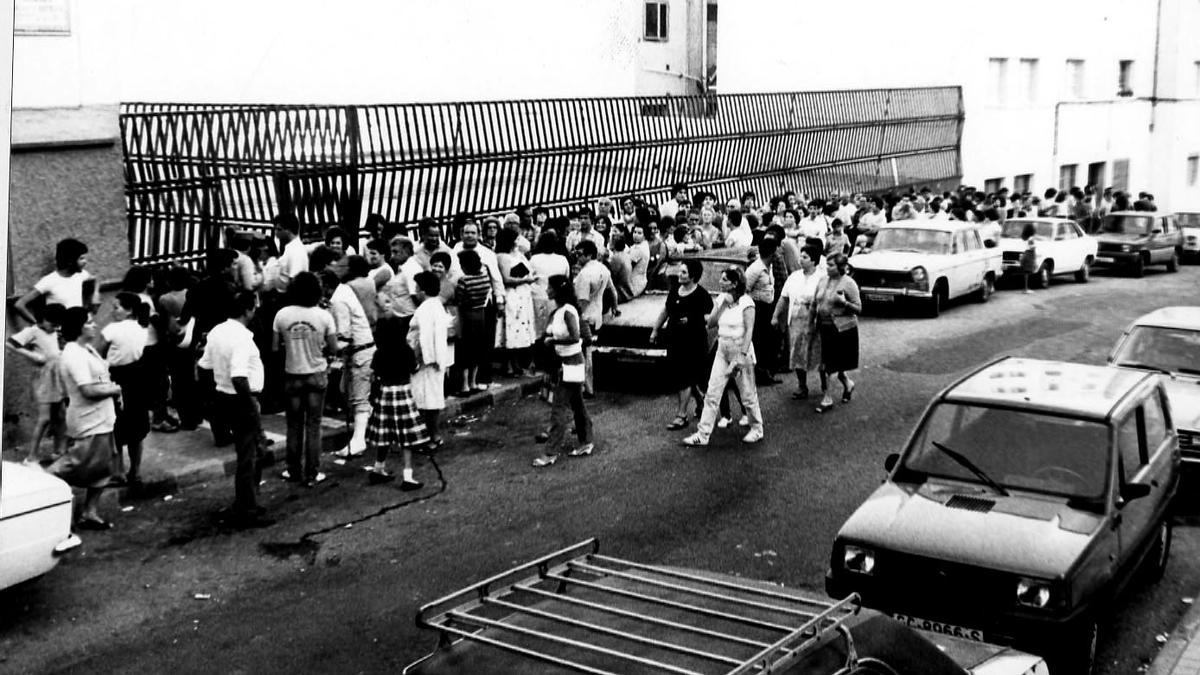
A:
(639, 259)
(514, 331)
(545, 263)
(793, 314)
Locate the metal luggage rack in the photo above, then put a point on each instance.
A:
(720, 626)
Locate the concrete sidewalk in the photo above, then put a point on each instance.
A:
(1181, 654)
(176, 460)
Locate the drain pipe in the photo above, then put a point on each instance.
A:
(1157, 49)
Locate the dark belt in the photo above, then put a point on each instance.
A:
(358, 348)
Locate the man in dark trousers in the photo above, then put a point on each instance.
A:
(208, 303)
(233, 357)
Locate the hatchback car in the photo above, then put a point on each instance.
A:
(1134, 240)
(1029, 494)
(1061, 246)
(1167, 340)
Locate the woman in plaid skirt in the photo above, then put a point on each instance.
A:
(394, 418)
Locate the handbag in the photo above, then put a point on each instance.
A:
(573, 373)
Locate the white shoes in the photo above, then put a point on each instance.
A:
(349, 451)
(744, 421)
(724, 422)
(695, 440)
(752, 436)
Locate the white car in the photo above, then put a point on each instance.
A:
(1167, 340)
(1189, 223)
(1062, 247)
(927, 261)
(35, 523)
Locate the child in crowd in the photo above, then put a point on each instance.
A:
(39, 344)
(395, 419)
(837, 242)
(69, 285)
(427, 335)
(125, 340)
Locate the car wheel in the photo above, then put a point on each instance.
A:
(1173, 263)
(985, 291)
(1075, 653)
(1139, 267)
(1083, 274)
(1044, 273)
(1160, 552)
(933, 306)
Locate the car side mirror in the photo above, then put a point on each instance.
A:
(1132, 491)
(989, 243)
(889, 462)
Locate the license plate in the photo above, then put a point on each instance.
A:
(939, 627)
(1102, 259)
(879, 297)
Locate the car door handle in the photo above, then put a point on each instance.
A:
(1154, 483)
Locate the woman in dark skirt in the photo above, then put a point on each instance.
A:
(685, 317)
(837, 304)
(472, 294)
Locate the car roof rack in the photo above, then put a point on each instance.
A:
(585, 612)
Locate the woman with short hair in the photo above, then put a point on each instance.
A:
(515, 333)
(92, 459)
(684, 318)
(793, 315)
(734, 359)
(836, 308)
(564, 334)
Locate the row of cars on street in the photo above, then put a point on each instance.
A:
(929, 263)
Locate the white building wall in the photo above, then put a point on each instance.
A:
(328, 51)
(1007, 132)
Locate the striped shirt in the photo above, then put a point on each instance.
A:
(473, 290)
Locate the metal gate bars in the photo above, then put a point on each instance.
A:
(192, 169)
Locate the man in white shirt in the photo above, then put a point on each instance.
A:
(740, 235)
(431, 242)
(238, 374)
(816, 224)
(679, 200)
(593, 287)
(357, 345)
(294, 257)
(846, 210)
(396, 294)
(588, 232)
(469, 241)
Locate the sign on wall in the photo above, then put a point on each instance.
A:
(42, 17)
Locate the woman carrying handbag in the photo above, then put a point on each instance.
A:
(564, 334)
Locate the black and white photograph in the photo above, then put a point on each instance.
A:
(601, 336)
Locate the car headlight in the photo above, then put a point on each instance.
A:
(920, 277)
(858, 559)
(1126, 248)
(1033, 593)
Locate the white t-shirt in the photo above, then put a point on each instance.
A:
(730, 325)
(79, 365)
(814, 228)
(126, 341)
(546, 265)
(303, 332)
(740, 236)
(292, 261)
(65, 291)
(230, 352)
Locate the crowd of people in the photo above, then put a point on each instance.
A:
(384, 336)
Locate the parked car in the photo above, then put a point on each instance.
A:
(577, 611)
(1062, 248)
(1167, 340)
(35, 523)
(1189, 227)
(929, 262)
(626, 336)
(1027, 497)
(1133, 240)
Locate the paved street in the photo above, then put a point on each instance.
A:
(169, 590)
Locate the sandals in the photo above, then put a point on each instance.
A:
(848, 395)
(583, 450)
(823, 407)
(545, 460)
(680, 422)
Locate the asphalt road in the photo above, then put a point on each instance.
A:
(169, 590)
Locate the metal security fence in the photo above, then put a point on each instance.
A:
(193, 169)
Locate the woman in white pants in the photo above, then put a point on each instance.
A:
(734, 319)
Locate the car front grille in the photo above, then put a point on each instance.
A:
(1011, 256)
(1111, 248)
(1189, 441)
(925, 586)
(881, 279)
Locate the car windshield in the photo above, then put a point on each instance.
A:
(1016, 449)
(1188, 219)
(908, 239)
(1126, 225)
(1015, 228)
(1171, 349)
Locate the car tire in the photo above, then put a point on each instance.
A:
(1075, 652)
(1160, 551)
(1084, 274)
(933, 306)
(987, 289)
(1042, 280)
(1173, 263)
(1138, 269)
